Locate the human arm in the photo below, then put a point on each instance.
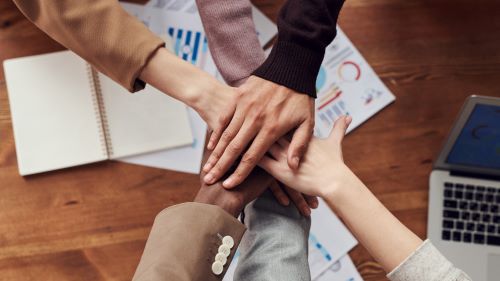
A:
(185, 238)
(122, 48)
(288, 72)
(183, 242)
(305, 28)
(101, 32)
(323, 173)
(232, 38)
(272, 229)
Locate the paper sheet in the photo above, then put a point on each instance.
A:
(185, 159)
(347, 85)
(329, 241)
(188, 6)
(342, 270)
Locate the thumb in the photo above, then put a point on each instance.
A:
(339, 129)
(298, 145)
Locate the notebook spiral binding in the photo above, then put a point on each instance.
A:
(100, 110)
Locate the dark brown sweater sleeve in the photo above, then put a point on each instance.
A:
(99, 31)
(305, 29)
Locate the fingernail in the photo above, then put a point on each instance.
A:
(207, 167)
(315, 204)
(210, 145)
(285, 202)
(348, 119)
(307, 211)
(228, 183)
(295, 161)
(209, 178)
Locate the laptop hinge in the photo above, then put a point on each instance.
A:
(474, 175)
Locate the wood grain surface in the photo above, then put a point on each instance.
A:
(91, 222)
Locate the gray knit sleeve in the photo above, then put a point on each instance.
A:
(427, 263)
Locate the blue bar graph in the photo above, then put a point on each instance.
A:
(190, 45)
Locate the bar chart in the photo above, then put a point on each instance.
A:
(191, 46)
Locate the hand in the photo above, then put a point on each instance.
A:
(216, 106)
(322, 166)
(284, 194)
(233, 201)
(264, 112)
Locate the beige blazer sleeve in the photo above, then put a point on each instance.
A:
(99, 31)
(183, 243)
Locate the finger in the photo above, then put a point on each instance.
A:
(312, 201)
(232, 152)
(339, 129)
(257, 149)
(214, 138)
(298, 146)
(270, 165)
(222, 122)
(277, 152)
(206, 154)
(284, 143)
(279, 194)
(299, 201)
(226, 137)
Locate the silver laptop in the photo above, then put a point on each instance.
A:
(464, 192)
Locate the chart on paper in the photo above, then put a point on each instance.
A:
(347, 85)
(191, 46)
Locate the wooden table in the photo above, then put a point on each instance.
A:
(91, 222)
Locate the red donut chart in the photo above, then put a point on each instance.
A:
(349, 71)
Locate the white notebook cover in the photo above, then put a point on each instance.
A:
(57, 125)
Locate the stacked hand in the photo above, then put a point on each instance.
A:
(261, 111)
(260, 114)
(322, 167)
(233, 201)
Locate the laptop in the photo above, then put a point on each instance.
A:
(464, 191)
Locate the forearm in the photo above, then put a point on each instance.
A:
(382, 234)
(232, 39)
(179, 79)
(99, 31)
(305, 28)
(183, 242)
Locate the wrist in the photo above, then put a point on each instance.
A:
(177, 78)
(202, 93)
(343, 186)
(230, 204)
(231, 209)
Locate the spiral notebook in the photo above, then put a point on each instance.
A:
(64, 114)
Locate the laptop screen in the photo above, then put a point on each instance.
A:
(478, 144)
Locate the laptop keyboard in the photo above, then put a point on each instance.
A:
(471, 214)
